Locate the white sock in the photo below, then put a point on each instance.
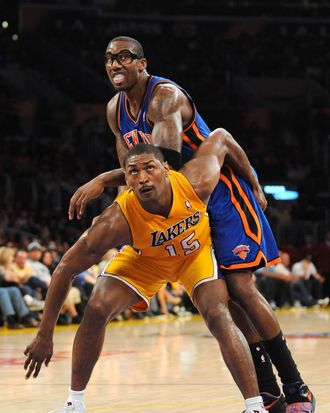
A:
(76, 396)
(255, 403)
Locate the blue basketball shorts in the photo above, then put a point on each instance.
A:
(242, 237)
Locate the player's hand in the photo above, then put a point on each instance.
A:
(260, 197)
(83, 195)
(39, 351)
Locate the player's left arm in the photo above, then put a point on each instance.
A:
(204, 169)
(109, 230)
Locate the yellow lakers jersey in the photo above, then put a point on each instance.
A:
(185, 230)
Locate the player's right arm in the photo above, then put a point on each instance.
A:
(108, 231)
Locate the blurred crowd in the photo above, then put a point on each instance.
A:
(302, 279)
(25, 275)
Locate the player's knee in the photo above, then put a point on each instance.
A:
(97, 312)
(215, 316)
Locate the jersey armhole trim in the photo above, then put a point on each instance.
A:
(191, 187)
(118, 110)
(124, 215)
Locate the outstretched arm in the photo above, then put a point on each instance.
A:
(93, 189)
(110, 229)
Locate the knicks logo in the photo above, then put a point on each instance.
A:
(136, 136)
(241, 251)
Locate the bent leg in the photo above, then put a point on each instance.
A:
(211, 299)
(266, 378)
(243, 290)
(109, 298)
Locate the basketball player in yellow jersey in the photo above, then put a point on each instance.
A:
(163, 218)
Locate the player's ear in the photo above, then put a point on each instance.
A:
(166, 167)
(142, 64)
(126, 179)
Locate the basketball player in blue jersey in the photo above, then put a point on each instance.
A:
(152, 109)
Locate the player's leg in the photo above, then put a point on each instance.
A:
(242, 289)
(207, 289)
(211, 299)
(109, 298)
(267, 383)
(244, 240)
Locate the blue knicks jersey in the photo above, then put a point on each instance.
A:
(139, 130)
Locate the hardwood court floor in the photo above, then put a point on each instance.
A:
(157, 366)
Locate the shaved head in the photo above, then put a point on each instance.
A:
(141, 148)
(137, 46)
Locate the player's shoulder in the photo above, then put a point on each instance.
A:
(112, 111)
(112, 104)
(165, 89)
(166, 96)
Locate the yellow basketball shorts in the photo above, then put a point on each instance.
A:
(146, 275)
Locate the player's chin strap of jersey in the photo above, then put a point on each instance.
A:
(172, 157)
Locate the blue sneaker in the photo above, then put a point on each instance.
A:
(299, 398)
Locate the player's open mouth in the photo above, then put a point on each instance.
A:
(146, 189)
(118, 78)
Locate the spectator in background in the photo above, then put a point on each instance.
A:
(275, 283)
(283, 281)
(69, 313)
(309, 277)
(40, 270)
(14, 309)
(166, 300)
(25, 273)
(20, 267)
(8, 278)
(85, 281)
(54, 250)
(300, 290)
(47, 259)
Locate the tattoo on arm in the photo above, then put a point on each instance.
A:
(165, 111)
